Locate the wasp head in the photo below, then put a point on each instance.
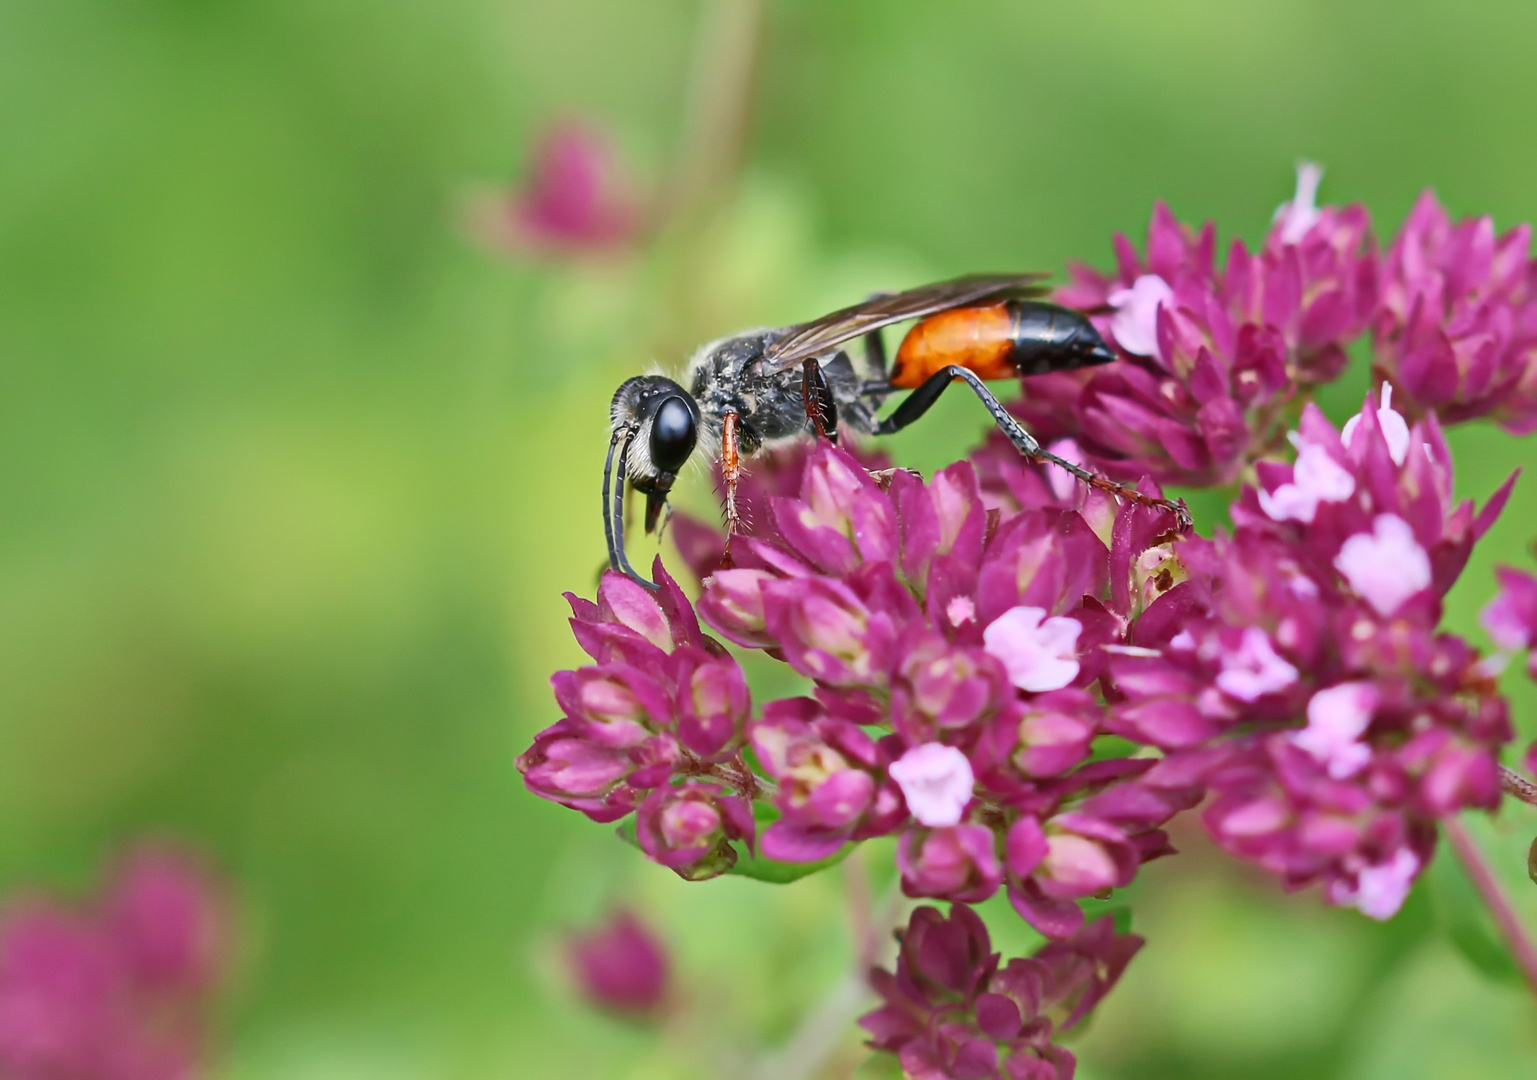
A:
(654, 425)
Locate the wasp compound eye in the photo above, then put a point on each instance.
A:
(673, 433)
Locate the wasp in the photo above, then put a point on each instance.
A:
(761, 388)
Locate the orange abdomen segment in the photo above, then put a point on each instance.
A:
(978, 338)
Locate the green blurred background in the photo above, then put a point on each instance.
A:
(292, 472)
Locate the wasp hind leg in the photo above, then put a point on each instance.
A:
(923, 398)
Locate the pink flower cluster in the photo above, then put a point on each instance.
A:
(1022, 680)
(120, 992)
(1213, 357)
(1456, 330)
(973, 637)
(1310, 689)
(953, 1010)
(663, 703)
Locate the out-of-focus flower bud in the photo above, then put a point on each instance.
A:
(572, 202)
(621, 967)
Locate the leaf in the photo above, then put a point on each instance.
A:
(1112, 747)
(1094, 908)
(782, 873)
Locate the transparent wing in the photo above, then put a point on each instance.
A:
(820, 335)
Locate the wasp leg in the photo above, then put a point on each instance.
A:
(817, 396)
(875, 355)
(731, 472)
(923, 398)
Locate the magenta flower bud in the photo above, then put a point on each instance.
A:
(841, 518)
(827, 632)
(603, 782)
(573, 202)
(634, 625)
(613, 705)
(688, 829)
(826, 787)
(733, 604)
(1047, 737)
(59, 985)
(1046, 561)
(1511, 617)
(622, 601)
(621, 967)
(1457, 328)
(941, 687)
(1454, 773)
(168, 918)
(955, 863)
(713, 704)
(944, 518)
(1081, 970)
(1084, 856)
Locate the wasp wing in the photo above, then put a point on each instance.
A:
(820, 335)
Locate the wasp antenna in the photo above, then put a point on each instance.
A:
(613, 510)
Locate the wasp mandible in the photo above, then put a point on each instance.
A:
(763, 387)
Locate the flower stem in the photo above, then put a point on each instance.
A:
(1522, 950)
(1514, 784)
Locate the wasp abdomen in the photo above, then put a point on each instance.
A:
(999, 341)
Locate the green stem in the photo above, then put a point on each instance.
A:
(1482, 875)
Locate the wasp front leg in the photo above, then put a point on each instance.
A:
(731, 473)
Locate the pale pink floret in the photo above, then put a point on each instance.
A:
(1039, 653)
(1385, 566)
(1254, 669)
(1135, 324)
(960, 610)
(1504, 624)
(1337, 718)
(1380, 890)
(936, 781)
(1301, 213)
(1064, 485)
(1395, 429)
(1316, 478)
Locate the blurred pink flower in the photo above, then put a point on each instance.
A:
(118, 993)
(573, 200)
(621, 966)
(1457, 327)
